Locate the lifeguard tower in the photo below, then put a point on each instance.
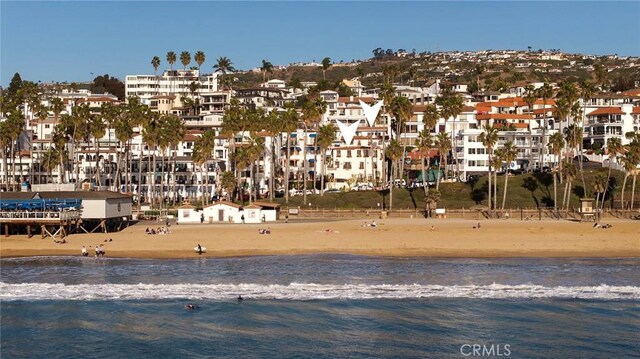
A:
(586, 210)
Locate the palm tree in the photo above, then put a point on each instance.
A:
(150, 137)
(489, 138)
(556, 145)
(223, 65)
(545, 92)
(600, 184)
(326, 63)
(431, 200)
(185, 60)
(530, 97)
(509, 154)
(59, 140)
(402, 110)
(312, 113)
(570, 171)
(155, 62)
(425, 143)
(97, 129)
(203, 147)
(443, 144)
(266, 68)
(452, 105)
(393, 153)
(171, 59)
(630, 160)
(200, 59)
(430, 119)
(14, 126)
(326, 135)
(614, 147)
(289, 122)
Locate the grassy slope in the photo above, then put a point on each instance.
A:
(458, 195)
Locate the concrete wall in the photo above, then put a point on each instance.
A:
(92, 209)
(188, 215)
(118, 207)
(212, 215)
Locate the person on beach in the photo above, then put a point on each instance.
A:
(201, 218)
(84, 251)
(432, 229)
(97, 251)
(102, 251)
(242, 218)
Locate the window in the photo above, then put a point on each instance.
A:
(361, 165)
(348, 153)
(347, 166)
(119, 207)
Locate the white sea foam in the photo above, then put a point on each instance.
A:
(305, 291)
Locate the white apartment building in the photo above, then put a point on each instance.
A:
(170, 82)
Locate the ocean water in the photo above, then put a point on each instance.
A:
(319, 306)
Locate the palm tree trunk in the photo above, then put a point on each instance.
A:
(391, 186)
(555, 192)
(504, 193)
(272, 161)
(97, 169)
(633, 188)
(13, 167)
(288, 169)
(424, 182)
(324, 168)
(304, 167)
(624, 187)
(489, 201)
(439, 171)
(6, 169)
(606, 187)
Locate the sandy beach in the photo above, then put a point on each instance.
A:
(391, 237)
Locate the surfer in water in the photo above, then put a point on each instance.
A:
(191, 307)
(240, 299)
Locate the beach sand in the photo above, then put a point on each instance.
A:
(392, 237)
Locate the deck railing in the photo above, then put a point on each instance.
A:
(31, 216)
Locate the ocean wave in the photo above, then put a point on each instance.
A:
(305, 291)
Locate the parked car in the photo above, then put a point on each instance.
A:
(332, 190)
(584, 158)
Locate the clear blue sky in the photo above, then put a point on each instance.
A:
(67, 41)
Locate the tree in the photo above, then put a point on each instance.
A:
(443, 144)
(614, 147)
(203, 147)
(228, 182)
(570, 171)
(600, 183)
(200, 59)
(109, 84)
(431, 200)
(289, 122)
(430, 119)
(171, 59)
(489, 138)
(155, 62)
(452, 105)
(326, 63)
(223, 65)
(545, 92)
(530, 97)
(556, 145)
(326, 136)
(402, 110)
(509, 154)
(393, 153)
(312, 112)
(630, 160)
(266, 68)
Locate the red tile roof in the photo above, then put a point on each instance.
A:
(606, 111)
(357, 99)
(503, 116)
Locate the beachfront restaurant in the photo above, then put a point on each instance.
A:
(96, 210)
